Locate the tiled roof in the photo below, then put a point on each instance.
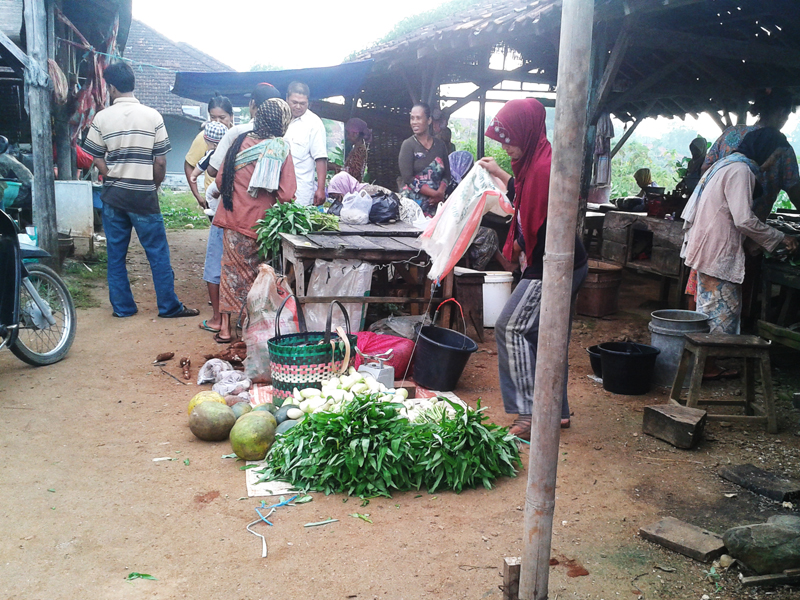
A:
(145, 45)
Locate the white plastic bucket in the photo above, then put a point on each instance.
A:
(496, 292)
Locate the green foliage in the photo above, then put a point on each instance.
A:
(290, 218)
(82, 276)
(783, 202)
(180, 209)
(492, 148)
(369, 450)
(430, 17)
(414, 22)
(265, 67)
(635, 155)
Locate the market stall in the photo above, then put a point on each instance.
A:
(780, 312)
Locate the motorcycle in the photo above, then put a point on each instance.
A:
(37, 314)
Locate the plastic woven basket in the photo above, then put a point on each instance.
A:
(303, 360)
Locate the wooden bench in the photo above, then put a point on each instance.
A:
(749, 347)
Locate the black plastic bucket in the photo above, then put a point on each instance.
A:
(440, 357)
(628, 367)
(596, 360)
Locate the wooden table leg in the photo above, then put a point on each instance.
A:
(769, 399)
(697, 377)
(677, 385)
(749, 385)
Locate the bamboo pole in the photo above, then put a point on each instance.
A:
(38, 92)
(569, 135)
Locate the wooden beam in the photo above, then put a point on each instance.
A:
(618, 10)
(621, 142)
(720, 75)
(727, 49)
(644, 84)
(39, 99)
(717, 119)
(14, 50)
(392, 122)
(610, 73)
(487, 84)
(642, 116)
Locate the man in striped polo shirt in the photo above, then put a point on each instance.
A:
(129, 144)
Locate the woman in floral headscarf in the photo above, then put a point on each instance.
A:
(520, 127)
(257, 172)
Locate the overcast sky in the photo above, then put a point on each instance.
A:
(290, 34)
(313, 33)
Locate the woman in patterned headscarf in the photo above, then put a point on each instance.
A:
(257, 172)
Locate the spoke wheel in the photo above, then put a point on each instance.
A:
(38, 343)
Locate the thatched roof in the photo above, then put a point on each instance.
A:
(669, 57)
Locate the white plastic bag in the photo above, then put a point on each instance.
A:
(337, 278)
(212, 369)
(411, 213)
(355, 208)
(265, 297)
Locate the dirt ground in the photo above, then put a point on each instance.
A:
(84, 505)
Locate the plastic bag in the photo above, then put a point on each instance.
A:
(411, 213)
(355, 208)
(266, 295)
(407, 327)
(385, 208)
(453, 228)
(335, 208)
(375, 343)
(337, 278)
(231, 383)
(212, 369)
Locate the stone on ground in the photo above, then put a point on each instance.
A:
(770, 547)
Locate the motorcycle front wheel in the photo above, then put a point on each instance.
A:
(38, 343)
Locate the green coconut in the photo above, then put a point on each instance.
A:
(211, 421)
(252, 435)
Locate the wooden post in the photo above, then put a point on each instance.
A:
(38, 90)
(481, 144)
(569, 135)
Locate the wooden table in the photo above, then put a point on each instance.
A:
(776, 319)
(396, 244)
(626, 235)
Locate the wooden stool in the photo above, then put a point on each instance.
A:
(749, 347)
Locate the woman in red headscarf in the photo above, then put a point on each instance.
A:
(520, 127)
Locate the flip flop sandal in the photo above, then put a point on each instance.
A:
(185, 312)
(222, 340)
(204, 325)
(521, 428)
(564, 423)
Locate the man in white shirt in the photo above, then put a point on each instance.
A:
(306, 135)
(261, 93)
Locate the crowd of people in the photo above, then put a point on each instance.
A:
(280, 156)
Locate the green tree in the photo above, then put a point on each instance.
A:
(265, 67)
(635, 155)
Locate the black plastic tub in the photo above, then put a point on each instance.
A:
(595, 359)
(440, 357)
(628, 367)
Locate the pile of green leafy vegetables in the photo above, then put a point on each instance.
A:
(369, 449)
(293, 218)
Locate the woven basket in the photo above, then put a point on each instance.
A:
(303, 360)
